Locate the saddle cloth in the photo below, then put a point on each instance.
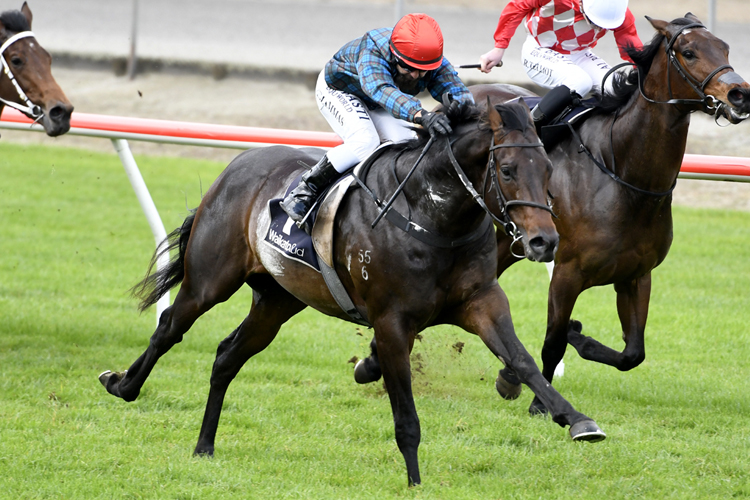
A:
(294, 243)
(285, 237)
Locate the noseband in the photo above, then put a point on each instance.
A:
(30, 109)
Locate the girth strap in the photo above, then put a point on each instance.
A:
(340, 294)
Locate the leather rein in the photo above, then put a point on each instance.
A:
(30, 109)
(420, 233)
(711, 105)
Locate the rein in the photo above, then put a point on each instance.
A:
(30, 109)
(583, 149)
(420, 233)
(710, 104)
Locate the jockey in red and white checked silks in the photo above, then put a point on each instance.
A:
(561, 34)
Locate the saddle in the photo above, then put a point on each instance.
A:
(315, 250)
(553, 132)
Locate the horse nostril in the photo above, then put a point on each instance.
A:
(538, 244)
(738, 96)
(58, 113)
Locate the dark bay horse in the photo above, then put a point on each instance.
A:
(615, 218)
(26, 81)
(612, 186)
(401, 286)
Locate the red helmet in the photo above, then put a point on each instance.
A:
(418, 41)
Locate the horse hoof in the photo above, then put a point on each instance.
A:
(110, 379)
(104, 377)
(362, 375)
(587, 430)
(506, 389)
(207, 452)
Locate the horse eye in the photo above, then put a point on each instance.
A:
(16, 61)
(505, 171)
(688, 54)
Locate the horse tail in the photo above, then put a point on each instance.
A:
(159, 282)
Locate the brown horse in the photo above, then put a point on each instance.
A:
(26, 81)
(398, 283)
(612, 185)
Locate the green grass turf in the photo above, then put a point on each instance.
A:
(295, 425)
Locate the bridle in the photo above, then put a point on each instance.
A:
(422, 234)
(711, 105)
(505, 222)
(30, 109)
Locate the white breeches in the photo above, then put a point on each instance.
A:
(581, 71)
(361, 129)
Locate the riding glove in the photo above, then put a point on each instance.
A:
(435, 123)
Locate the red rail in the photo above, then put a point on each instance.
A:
(164, 130)
(203, 134)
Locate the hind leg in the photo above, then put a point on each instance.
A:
(632, 308)
(272, 307)
(214, 268)
(174, 322)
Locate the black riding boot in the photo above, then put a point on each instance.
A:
(551, 105)
(311, 185)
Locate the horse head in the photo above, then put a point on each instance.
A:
(699, 70)
(26, 80)
(522, 171)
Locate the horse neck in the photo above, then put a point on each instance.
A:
(648, 139)
(436, 194)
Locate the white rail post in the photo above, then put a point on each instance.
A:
(149, 209)
(711, 15)
(399, 11)
(133, 58)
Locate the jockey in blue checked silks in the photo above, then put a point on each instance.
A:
(367, 92)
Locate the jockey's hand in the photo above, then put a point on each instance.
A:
(491, 59)
(435, 123)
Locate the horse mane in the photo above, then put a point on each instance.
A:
(14, 20)
(626, 84)
(515, 117)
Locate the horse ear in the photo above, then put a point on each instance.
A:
(26, 11)
(493, 116)
(660, 26)
(692, 17)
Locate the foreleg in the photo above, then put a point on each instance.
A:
(632, 308)
(488, 315)
(394, 343)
